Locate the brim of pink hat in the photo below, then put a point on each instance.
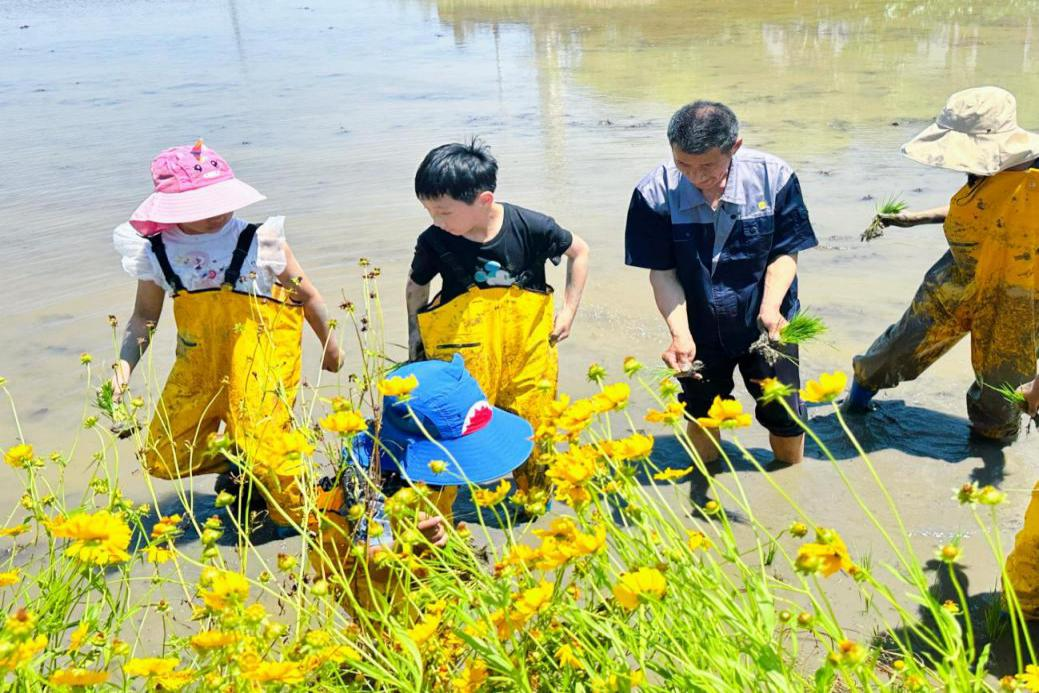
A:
(161, 210)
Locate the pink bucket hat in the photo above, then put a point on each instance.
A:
(191, 184)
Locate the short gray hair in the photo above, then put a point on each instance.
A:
(701, 126)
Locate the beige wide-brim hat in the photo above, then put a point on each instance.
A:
(976, 132)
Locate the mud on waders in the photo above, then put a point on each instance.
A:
(237, 364)
(986, 286)
(504, 336)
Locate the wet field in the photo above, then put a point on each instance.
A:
(327, 107)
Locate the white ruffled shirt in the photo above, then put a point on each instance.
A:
(201, 259)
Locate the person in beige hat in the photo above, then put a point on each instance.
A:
(986, 284)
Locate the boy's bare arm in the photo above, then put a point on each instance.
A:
(314, 310)
(576, 277)
(147, 308)
(416, 296)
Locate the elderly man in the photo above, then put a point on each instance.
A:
(986, 284)
(719, 228)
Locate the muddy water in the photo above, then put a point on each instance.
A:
(328, 106)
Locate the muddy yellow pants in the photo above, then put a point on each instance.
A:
(1023, 561)
(986, 286)
(370, 586)
(503, 335)
(237, 365)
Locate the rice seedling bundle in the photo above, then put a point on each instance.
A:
(892, 205)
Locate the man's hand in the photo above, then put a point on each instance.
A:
(772, 321)
(561, 326)
(1031, 393)
(681, 354)
(432, 528)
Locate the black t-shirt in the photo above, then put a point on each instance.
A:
(516, 255)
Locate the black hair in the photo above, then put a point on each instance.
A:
(459, 171)
(701, 126)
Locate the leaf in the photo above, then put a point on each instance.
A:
(824, 678)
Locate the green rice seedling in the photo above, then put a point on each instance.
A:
(1010, 394)
(802, 328)
(892, 205)
(123, 424)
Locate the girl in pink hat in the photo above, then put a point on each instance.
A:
(239, 299)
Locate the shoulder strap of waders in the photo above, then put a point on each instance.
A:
(159, 248)
(451, 263)
(241, 251)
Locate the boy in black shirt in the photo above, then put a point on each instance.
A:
(495, 307)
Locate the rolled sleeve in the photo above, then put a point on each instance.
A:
(648, 242)
(793, 229)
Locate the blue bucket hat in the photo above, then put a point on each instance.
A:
(476, 442)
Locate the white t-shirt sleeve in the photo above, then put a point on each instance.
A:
(136, 254)
(270, 247)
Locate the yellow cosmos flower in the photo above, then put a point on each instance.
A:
(9, 578)
(157, 555)
(344, 423)
(472, 676)
(427, 626)
(100, 538)
(485, 498)
(150, 667)
(577, 466)
(290, 448)
(276, 672)
(725, 413)
(213, 639)
(828, 388)
(773, 390)
(697, 540)
(616, 394)
(437, 466)
(225, 589)
(669, 474)
(19, 456)
(16, 654)
(634, 447)
(672, 414)
(78, 636)
(167, 527)
(631, 366)
(642, 582)
(78, 677)
(398, 387)
(826, 555)
(565, 655)
(14, 531)
(1030, 678)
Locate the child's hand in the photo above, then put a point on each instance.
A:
(1031, 393)
(120, 379)
(432, 528)
(561, 326)
(333, 358)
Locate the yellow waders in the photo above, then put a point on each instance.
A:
(368, 583)
(986, 286)
(1023, 561)
(503, 335)
(238, 364)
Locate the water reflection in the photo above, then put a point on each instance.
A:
(814, 76)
